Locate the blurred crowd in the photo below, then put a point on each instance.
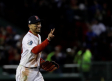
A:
(83, 29)
(10, 45)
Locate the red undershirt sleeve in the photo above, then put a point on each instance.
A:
(40, 47)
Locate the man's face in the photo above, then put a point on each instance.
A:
(36, 28)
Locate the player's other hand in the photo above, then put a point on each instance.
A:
(50, 35)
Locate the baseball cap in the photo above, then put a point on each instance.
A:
(33, 19)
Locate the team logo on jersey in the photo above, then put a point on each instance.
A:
(30, 42)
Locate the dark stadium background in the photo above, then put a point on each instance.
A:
(72, 20)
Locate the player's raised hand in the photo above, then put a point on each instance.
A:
(50, 35)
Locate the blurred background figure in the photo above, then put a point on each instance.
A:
(97, 27)
(84, 59)
(58, 56)
(69, 55)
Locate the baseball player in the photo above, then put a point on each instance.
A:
(31, 61)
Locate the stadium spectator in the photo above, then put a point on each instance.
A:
(84, 59)
(98, 27)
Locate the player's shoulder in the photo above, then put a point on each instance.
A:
(39, 35)
(27, 36)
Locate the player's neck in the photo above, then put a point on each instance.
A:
(33, 32)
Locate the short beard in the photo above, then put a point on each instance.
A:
(38, 32)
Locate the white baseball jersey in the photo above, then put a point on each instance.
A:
(28, 59)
